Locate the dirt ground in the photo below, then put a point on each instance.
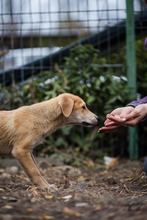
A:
(90, 192)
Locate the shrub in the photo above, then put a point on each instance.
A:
(84, 73)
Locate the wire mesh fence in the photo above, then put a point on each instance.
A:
(37, 34)
(33, 29)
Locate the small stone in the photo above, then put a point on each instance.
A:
(6, 175)
(82, 204)
(2, 190)
(12, 169)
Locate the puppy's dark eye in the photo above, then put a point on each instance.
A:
(83, 107)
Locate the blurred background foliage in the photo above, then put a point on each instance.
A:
(103, 88)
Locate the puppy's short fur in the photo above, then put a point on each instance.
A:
(22, 129)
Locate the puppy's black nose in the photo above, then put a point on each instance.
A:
(97, 118)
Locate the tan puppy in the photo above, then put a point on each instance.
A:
(22, 129)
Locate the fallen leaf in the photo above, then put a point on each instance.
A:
(72, 212)
(29, 209)
(48, 217)
(67, 198)
(34, 192)
(110, 162)
(48, 196)
(7, 207)
(89, 163)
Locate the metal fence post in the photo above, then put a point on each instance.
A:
(131, 72)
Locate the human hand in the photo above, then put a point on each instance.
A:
(139, 113)
(125, 116)
(114, 119)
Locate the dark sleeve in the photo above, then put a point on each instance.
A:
(138, 102)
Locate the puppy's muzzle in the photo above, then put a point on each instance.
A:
(92, 123)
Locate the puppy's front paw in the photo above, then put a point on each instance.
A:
(44, 185)
(48, 187)
(52, 188)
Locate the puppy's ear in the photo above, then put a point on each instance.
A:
(66, 104)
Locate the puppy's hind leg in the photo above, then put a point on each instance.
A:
(28, 163)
